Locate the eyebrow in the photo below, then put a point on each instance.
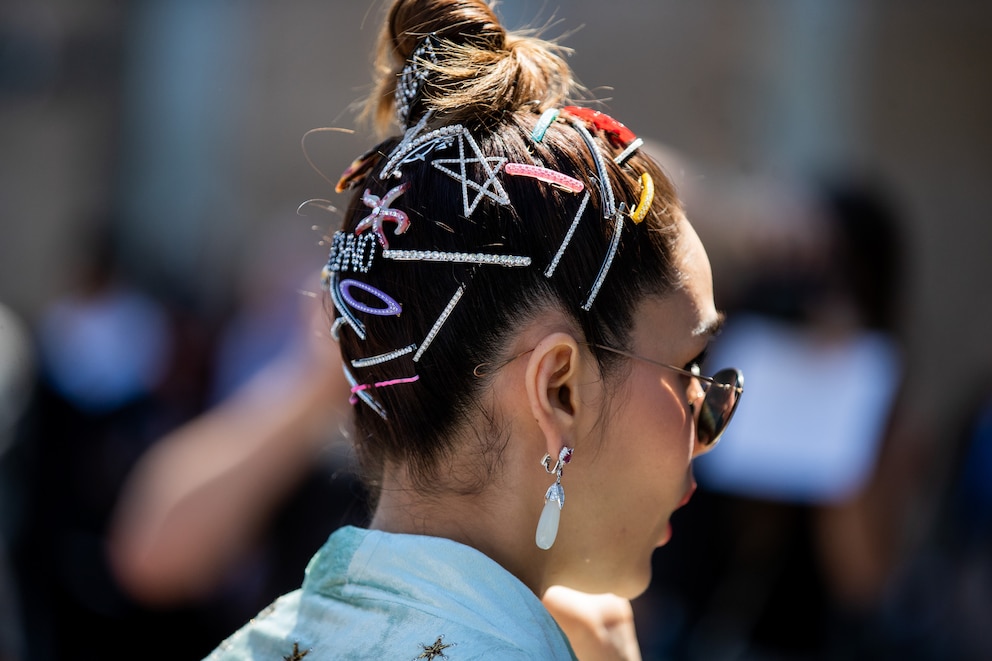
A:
(711, 328)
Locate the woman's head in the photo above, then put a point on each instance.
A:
(499, 216)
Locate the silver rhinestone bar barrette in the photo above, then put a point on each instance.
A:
(609, 211)
(364, 395)
(383, 357)
(415, 146)
(605, 268)
(568, 237)
(436, 328)
(456, 257)
(605, 187)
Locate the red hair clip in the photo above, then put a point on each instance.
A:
(619, 135)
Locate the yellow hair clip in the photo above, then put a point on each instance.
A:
(640, 212)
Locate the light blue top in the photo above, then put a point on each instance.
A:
(375, 595)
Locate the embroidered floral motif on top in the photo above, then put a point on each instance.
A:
(296, 654)
(434, 650)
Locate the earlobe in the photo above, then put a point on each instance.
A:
(552, 388)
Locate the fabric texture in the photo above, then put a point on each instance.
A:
(375, 595)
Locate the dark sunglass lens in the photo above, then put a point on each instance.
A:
(719, 404)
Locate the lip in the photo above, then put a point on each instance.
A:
(688, 494)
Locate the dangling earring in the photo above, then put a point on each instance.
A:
(554, 499)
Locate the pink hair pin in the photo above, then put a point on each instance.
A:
(361, 387)
(381, 212)
(544, 174)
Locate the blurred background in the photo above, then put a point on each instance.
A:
(835, 157)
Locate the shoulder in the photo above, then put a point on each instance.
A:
(370, 595)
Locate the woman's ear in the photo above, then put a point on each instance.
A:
(552, 380)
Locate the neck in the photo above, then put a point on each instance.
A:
(497, 520)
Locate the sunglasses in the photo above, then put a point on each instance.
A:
(721, 394)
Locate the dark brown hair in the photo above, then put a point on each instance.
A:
(495, 84)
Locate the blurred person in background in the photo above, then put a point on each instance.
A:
(114, 370)
(236, 500)
(940, 603)
(803, 508)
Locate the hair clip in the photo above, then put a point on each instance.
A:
(628, 152)
(543, 122)
(604, 269)
(381, 212)
(618, 134)
(343, 309)
(392, 307)
(413, 76)
(349, 253)
(544, 174)
(640, 212)
(602, 176)
(361, 387)
(382, 357)
(359, 169)
(336, 328)
(415, 147)
(363, 394)
(456, 257)
(436, 328)
(418, 148)
(568, 237)
(497, 194)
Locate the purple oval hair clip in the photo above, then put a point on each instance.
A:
(392, 307)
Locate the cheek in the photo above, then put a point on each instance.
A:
(661, 421)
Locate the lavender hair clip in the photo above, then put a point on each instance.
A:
(391, 309)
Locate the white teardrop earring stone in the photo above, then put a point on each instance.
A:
(547, 526)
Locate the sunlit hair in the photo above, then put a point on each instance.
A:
(495, 84)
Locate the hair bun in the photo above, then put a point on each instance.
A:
(481, 70)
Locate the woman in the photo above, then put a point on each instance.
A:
(521, 308)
